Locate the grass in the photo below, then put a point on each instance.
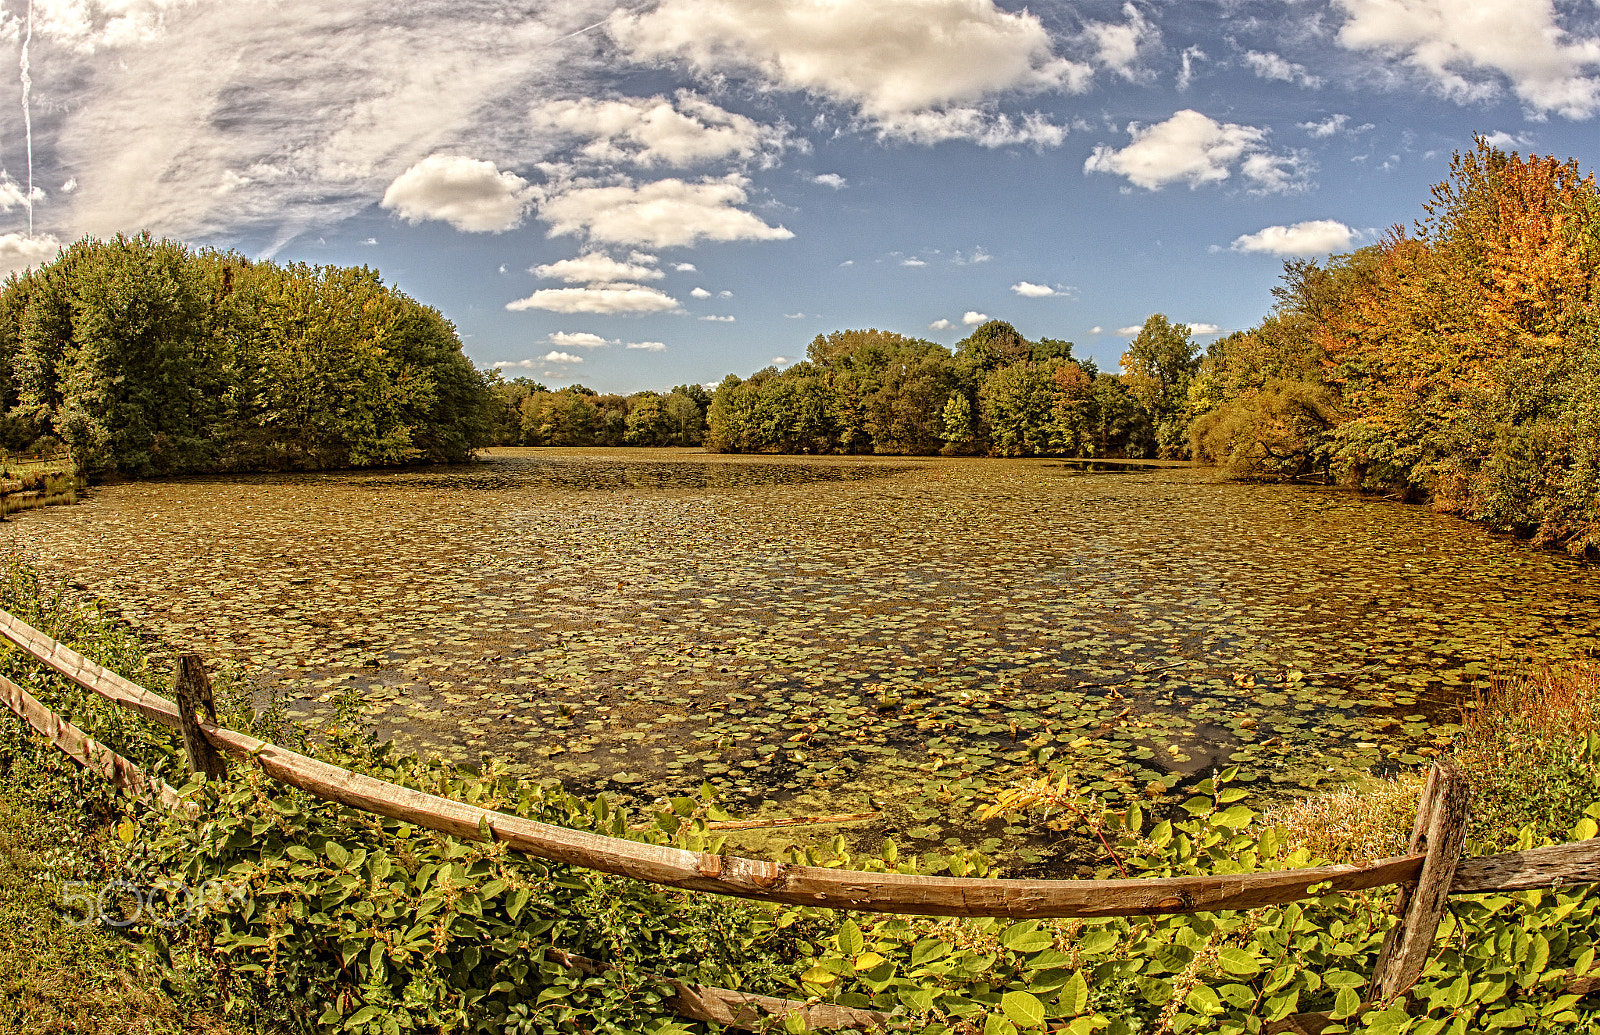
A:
(1527, 747)
(1362, 821)
(55, 977)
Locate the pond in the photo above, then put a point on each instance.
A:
(834, 634)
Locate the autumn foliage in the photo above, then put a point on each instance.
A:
(1457, 362)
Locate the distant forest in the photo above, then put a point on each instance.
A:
(144, 357)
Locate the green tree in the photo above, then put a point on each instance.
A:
(1157, 368)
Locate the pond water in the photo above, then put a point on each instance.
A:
(836, 635)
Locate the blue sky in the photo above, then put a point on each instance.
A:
(642, 195)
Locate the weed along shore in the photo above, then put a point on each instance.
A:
(888, 639)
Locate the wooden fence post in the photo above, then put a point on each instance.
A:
(1441, 831)
(194, 706)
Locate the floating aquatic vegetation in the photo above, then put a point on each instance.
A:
(837, 635)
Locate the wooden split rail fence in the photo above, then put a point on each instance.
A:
(1432, 871)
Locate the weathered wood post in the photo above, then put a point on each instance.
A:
(195, 705)
(1441, 831)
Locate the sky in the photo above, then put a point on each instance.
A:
(668, 191)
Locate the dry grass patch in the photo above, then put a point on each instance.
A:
(1366, 820)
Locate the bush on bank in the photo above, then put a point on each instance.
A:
(317, 917)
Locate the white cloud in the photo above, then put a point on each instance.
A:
(1272, 66)
(1116, 45)
(469, 194)
(1277, 173)
(648, 346)
(579, 339)
(912, 262)
(892, 59)
(973, 318)
(596, 268)
(700, 292)
(667, 213)
(1326, 128)
(1203, 328)
(1506, 142)
(833, 180)
(986, 129)
(653, 131)
(561, 357)
(19, 252)
(971, 258)
(1465, 49)
(940, 324)
(1129, 331)
(70, 186)
(1097, 329)
(1027, 290)
(718, 319)
(794, 316)
(599, 298)
(685, 267)
(155, 104)
(724, 294)
(1314, 237)
(1194, 149)
(1186, 73)
(779, 361)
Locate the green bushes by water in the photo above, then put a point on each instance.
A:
(147, 357)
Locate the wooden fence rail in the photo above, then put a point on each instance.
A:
(1433, 870)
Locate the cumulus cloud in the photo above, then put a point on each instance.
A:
(973, 318)
(1313, 237)
(684, 267)
(700, 292)
(580, 339)
(1203, 328)
(515, 364)
(833, 180)
(1326, 128)
(467, 193)
(648, 346)
(890, 59)
(779, 361)
(1467, 49)
(1129, 331)
(972, 258)
(598, 268)
(1097, 329)
(718, 319)
(1272, 66)
(668, 213)
(1191, 148)
(912, 262)
(1116, 44)
(940, 324)
(1027, 290)
(19, 252)
(655, 131)
(794, 316)
(561, 357)
(619, 299)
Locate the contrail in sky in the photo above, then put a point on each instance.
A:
(27, 116)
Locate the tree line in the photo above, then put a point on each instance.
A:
(526, 413)
(1456, 362)
(872, 391)
(147, 357)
